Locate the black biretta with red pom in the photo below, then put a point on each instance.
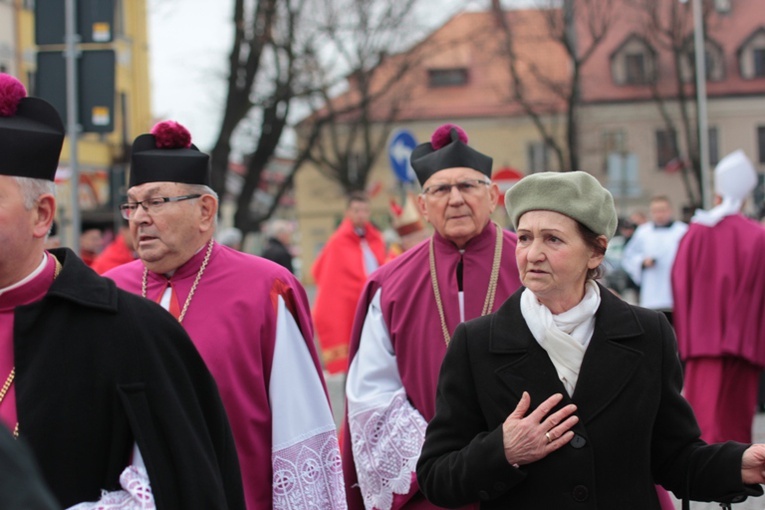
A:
(167, 155)
(31, 133)
(447, 148)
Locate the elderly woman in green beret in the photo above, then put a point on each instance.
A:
(567, 396)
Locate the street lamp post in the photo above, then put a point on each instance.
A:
(72, 128)
(701, 102)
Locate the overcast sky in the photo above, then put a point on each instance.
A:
(189, 42)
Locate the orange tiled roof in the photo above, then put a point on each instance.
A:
(472, 41)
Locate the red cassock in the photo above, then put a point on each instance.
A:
(340, 275)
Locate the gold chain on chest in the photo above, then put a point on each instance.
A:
(4, 390)
(491, 291)
(144, 281)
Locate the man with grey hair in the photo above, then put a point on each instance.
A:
(248, 317)
(279, 240)
(108, 392)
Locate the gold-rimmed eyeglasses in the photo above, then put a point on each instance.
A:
(151, 205)
(465, 187)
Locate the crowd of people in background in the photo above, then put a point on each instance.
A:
(576, 357)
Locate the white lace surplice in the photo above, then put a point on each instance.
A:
(387, 432)
(307, 470)
(136, 493)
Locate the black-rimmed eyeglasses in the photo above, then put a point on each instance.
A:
(151, 205)
(465, 187)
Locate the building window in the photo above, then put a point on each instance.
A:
(614, 141)
(447, 77)
(714, 61)
(666, 147)
(634, 62)
(751, 55)
(536, 157)
(623, 176)
(761, 143)
(635, 69)
(758, 54)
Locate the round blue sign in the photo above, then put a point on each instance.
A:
(399, 149)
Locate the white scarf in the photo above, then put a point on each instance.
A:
(565, 336)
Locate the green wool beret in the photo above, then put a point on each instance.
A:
(578, 195)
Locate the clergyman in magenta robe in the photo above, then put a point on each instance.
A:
(719, 285)
(248, 317)
(400, 336)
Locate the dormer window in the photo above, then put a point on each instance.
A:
(636, 73)
(713, 61)
(751, 55)
(758, 60)
(634, 62)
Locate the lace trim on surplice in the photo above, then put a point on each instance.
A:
(136, 493)
(386, 444)
(309, 474)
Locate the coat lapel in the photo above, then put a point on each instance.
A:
(524, 365)
(608, 364)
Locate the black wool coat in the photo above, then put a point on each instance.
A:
(98, 368)
(635, 428)
(21, 486)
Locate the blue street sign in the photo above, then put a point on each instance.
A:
(399, 149)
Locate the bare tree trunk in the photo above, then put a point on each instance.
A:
(244, 63)
(355, 129)
(563, 25)
(670, 32)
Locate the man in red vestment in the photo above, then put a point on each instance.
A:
(119, 251)
(407, 313)
(718, 281)
(351, 254)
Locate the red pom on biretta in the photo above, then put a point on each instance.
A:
(447, 148)
(11, 92)
(171, 135)
(166, 154)
(442, 136)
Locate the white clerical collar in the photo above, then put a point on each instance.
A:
(31, 276)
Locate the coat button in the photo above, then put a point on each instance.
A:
(500, 487)
(483, 495)
(580, 493)
(578, 441)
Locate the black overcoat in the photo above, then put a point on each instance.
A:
(635, 428)
(98, 368)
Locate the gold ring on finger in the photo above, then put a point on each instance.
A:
(549, 439)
